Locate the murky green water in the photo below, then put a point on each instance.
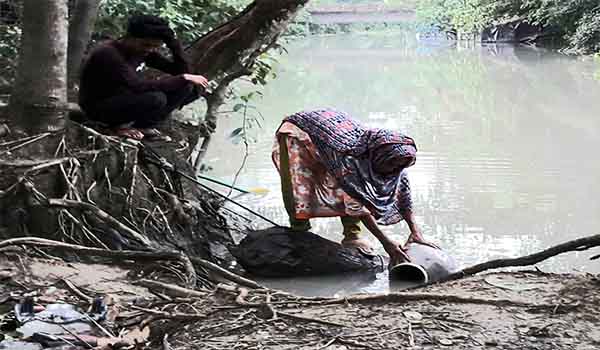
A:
(507, 140)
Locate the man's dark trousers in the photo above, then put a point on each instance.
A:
(144, 110)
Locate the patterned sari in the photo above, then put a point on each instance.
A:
(333, 166)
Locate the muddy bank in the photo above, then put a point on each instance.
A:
(518, 310)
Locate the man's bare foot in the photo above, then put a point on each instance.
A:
(154, 135)
(131, 133)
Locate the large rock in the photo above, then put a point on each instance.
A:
(280, 252)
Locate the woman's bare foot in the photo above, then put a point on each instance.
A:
(360, 244)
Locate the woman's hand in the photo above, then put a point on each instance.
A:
(394, 250)
(417, 237)
(396, 253)
(415, 232)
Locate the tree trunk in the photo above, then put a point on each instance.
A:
(230, 51)
(38, 101)
(81, 25)
(239, 41)
(91, 189)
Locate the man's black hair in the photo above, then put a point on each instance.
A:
(149, 27)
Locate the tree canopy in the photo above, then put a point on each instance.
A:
(577, 22)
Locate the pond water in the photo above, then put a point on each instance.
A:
(507, 139)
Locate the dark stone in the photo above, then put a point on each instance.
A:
(280, 252)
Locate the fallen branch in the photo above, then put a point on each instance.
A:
(118, 255)
(28, 142)
(406, 297)
(164, 315)
(310, 319)
(172, 290)
(77, 292)
(227, 274)
(532, 259)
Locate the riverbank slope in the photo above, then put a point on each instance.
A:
(516, 310)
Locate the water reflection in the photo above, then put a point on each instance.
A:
(506, 138)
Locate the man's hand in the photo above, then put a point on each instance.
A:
(168, 37)
(196, 80)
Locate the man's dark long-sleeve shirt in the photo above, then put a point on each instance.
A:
(111, 71)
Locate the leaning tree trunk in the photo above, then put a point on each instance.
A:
(235, 44)
(82, 21)
(39, 98)
(230, 51)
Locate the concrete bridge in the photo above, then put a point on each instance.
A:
(368, 13)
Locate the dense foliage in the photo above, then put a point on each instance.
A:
(189, 18)
(10, 32)
(576, 22)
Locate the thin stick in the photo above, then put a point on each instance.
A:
(164, 218)
(172, 290)
(160, 315)
(76, 291)
(84, 229)
(118, 255)
(72, 188)
(116, 224)
(48, 164)
(327, 344)
(87, 193)
(165, 342)
(246, 152)
(12, 142)
(132, 188)
(310, 319)
(218, 194)
(227, 274)
(404, 297)
(108, 182)
(163, 164)
(411, 336)
(76, 336)
(104, 330)
(41, 136)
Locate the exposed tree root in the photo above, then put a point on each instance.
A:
(579, 244)
(95, 194)
(117, 256)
